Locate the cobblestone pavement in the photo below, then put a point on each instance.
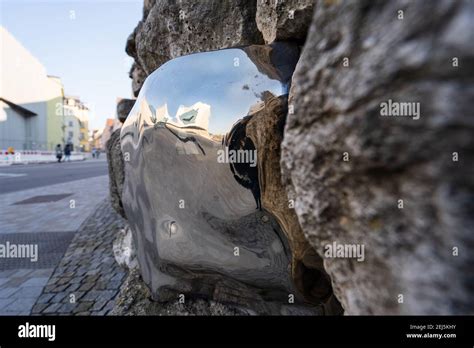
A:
(49, 221)
(88, 278)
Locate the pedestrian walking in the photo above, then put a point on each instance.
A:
(67, 152)
(59, 152)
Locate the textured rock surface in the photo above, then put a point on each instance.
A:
(266, 131)
(87, 280)
(138, 76)
(170, 29)
(135, 299)
(116, 171)
(123, 108)
(124, 249)
(284, 20)
(408, 251)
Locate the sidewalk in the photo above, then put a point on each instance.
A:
(47, 217)
(88, 278)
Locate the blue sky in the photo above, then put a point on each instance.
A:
(83, 42)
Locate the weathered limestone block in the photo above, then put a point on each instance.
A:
(170, 29)
(284, 20)
(138, 76)
(123, 108)
(265, 128)
(401, 186)
(116, 171)
(134, 298)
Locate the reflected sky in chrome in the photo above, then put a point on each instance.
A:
(210, 90)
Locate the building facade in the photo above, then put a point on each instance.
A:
(55, 119)
(32, 103)
(77, 123)
(111, 124)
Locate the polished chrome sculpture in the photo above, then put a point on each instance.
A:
(192, 190)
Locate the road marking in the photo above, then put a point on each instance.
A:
(12, 175)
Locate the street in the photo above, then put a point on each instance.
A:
(21, 177)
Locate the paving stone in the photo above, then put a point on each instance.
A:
(14, 282)
(21, 273)
(100, 285)
(19, 306)
(3, 281)
(67, 307)
(43, 272)
(63, 281)
(38, 308)
(7, 273)
(52, 308)
(76, 280)
(68, 298)
(91, 295)
(45, 298)
(49, 288)
(109, 306)
(25, 292)
(59, 288)
(107, 295)
(58, 297)
(91, 278)
(36, 281)
(86, 286)
(5, 302)
(88, 269)
(78, 295)
(83, 306)
(73, 287)
(6, 292)
(81, 272)
(98, 305)
(114, 284)
(93, 272)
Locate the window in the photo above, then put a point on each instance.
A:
(71, 124)
(71, 134)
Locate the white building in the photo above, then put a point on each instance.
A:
(28, 118)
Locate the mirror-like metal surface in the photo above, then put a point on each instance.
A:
(192, 190)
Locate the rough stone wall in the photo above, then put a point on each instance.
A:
(116, 171)
(284, 20)
(265, 128)
(123, 108)
(344, 164)
(170, 29)
(409, 250)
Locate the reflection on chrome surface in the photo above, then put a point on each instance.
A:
(192, 186)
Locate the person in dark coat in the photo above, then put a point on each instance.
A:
(59, 152)
(67, 152)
